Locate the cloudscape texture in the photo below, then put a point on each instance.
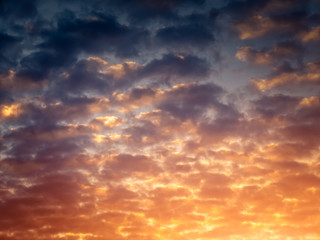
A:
(160, 120)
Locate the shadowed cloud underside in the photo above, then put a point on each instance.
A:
(159, 120)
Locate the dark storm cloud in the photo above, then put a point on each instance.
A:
(94, 35)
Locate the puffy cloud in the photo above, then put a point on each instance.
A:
(254, 20)
(191, 100)
(132, 120)
(308, 75)
(312, 35)
(171, 67)
(8, 111)
(283, 50)
(275, 105)
(255, 27)
(95, 35)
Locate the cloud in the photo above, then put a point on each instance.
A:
(185, 36)
(18, 9)
(9, 46)
(259, 26)
(10, 111)
(190, 100)
(254, 27)
(134, 120)
(285, 76)
(312, 35)
(95, 35)
(254, 20)
(94, 75)
(171, 67)
(282, 51)
(122, 166)
(48, 112)
(106, 121)
(37, 66)
(60, 46)
(142, 12)
(275, 105)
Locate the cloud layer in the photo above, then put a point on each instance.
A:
(159, 120)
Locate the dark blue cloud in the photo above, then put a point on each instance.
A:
(170, 66)
(61, 46)
(83, 78)
(9, 50)
(18, 9)
(97, 34)
(192, 35)
(143, 11)
(37, 66)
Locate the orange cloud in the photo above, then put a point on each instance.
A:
(120, 70)
(10, 110)
(281, 51)
(114, 127)
(254, 27)
(247, 54)
(312, 35)
(309, 75)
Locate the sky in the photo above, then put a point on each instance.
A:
(160, 120)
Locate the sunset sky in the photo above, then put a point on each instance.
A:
(160, 119)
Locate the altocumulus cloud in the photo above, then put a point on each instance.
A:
(175, 119)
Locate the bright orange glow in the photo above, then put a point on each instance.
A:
(10, 110)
